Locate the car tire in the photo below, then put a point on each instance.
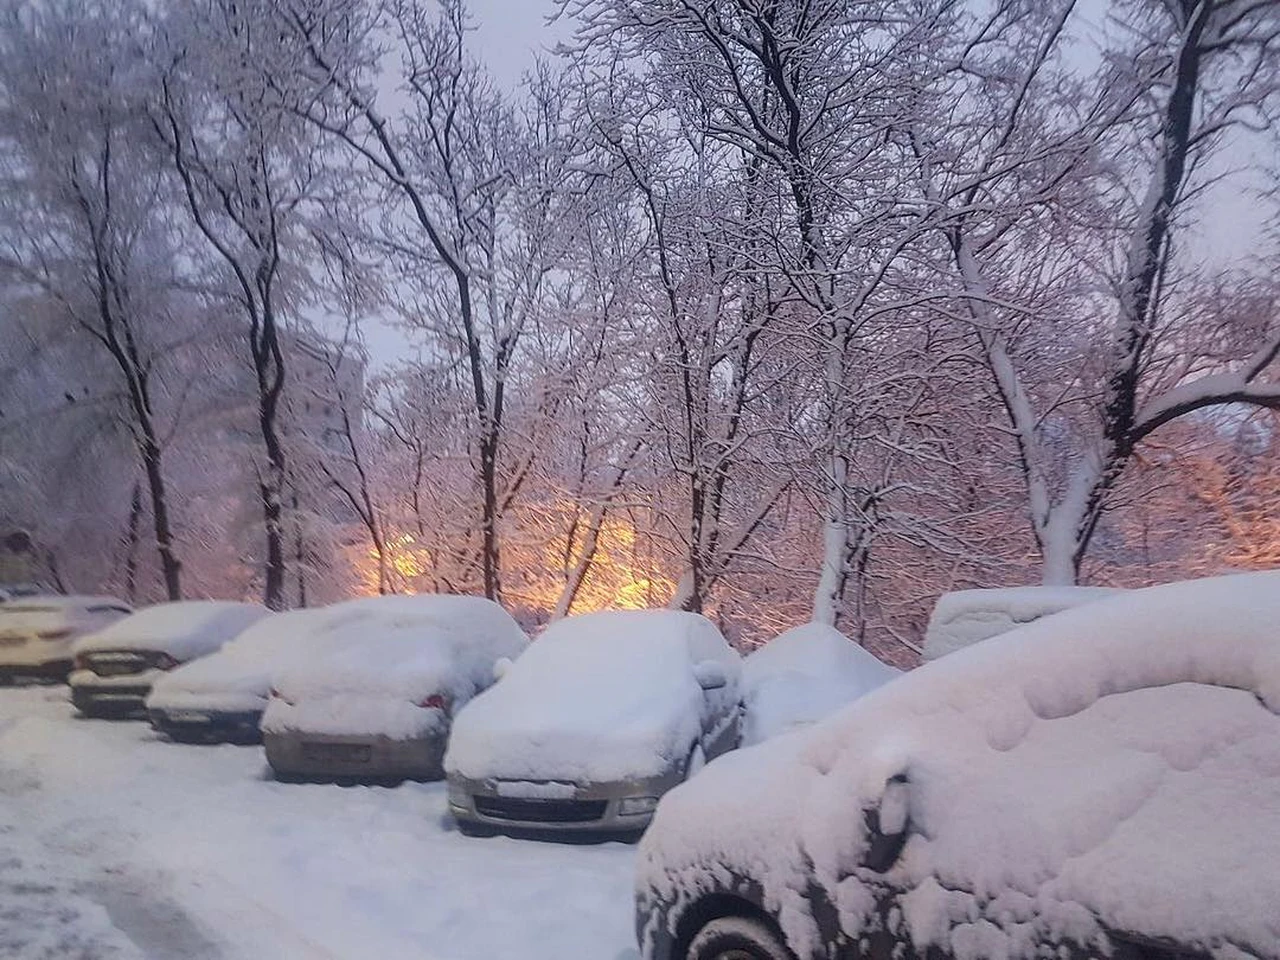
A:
(192, 737)
(738, 938)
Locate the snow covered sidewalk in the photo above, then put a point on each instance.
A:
(117, 845)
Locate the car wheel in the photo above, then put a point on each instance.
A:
(187, 736)
(738, 938)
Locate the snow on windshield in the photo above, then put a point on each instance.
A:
(598, 698)
(183, 629)
(389, 655)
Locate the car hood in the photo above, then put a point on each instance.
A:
(214, 683)
(604, 734)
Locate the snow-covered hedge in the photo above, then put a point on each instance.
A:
(802, 676)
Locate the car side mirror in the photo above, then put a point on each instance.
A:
(710, 675)
(888, 824)
(500, 668)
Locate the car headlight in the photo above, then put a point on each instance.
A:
(636, 806)
(457, 795)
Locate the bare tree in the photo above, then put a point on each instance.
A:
(246, 167)
(1015, 173)
(87, 220)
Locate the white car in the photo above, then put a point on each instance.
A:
(603, 715)
(222, 697)
(115, 667)
(378, 703)
(802, 676)
(37, 632)
(965, 617)
(1104, 782)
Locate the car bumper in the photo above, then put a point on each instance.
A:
(114, 699)
(296, 754)
(614, 808)
(56, 669)
(211, 726)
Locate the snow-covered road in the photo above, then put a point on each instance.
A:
(117, 845)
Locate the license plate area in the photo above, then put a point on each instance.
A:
(188, 716)
(336, 752)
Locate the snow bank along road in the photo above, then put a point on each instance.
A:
(118, 845)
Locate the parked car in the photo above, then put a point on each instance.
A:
(1101, 783)
(37, 632)
(965, 617)
(802, 676)
(18, 591)
(115, 667)
(379, 702)
(222, 697)
(602, 715)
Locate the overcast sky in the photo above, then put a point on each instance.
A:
(510, 33)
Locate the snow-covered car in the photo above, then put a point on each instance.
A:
(379, 702)
(603, 714)
(18, 591)
(37, 632)
(1101, 783)
(221, 697)
(802, 676)
(965, 617)
(116, 667)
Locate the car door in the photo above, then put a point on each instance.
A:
(720, 708)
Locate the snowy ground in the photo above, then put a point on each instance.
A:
(117, 845)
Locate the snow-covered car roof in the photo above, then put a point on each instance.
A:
(1113, 767)
(599, 697)
(248, 662)
(183, 629)
(382, 665)
(965, 617)
(52, 602)
(804, 675)
(42, 611)
(402, 646)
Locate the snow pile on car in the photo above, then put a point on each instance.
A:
(183, 629)
(598, 698)
(35, 614)
(239, 676)
(380, 666)
(964, 617)
(1114, 767)
(802, 676)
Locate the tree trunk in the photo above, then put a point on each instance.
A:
(131, 544)
(270, 490)
(489, 516)
(170, 566)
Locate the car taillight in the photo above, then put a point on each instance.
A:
(436, 701)
(164, 661)
(53, 634)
